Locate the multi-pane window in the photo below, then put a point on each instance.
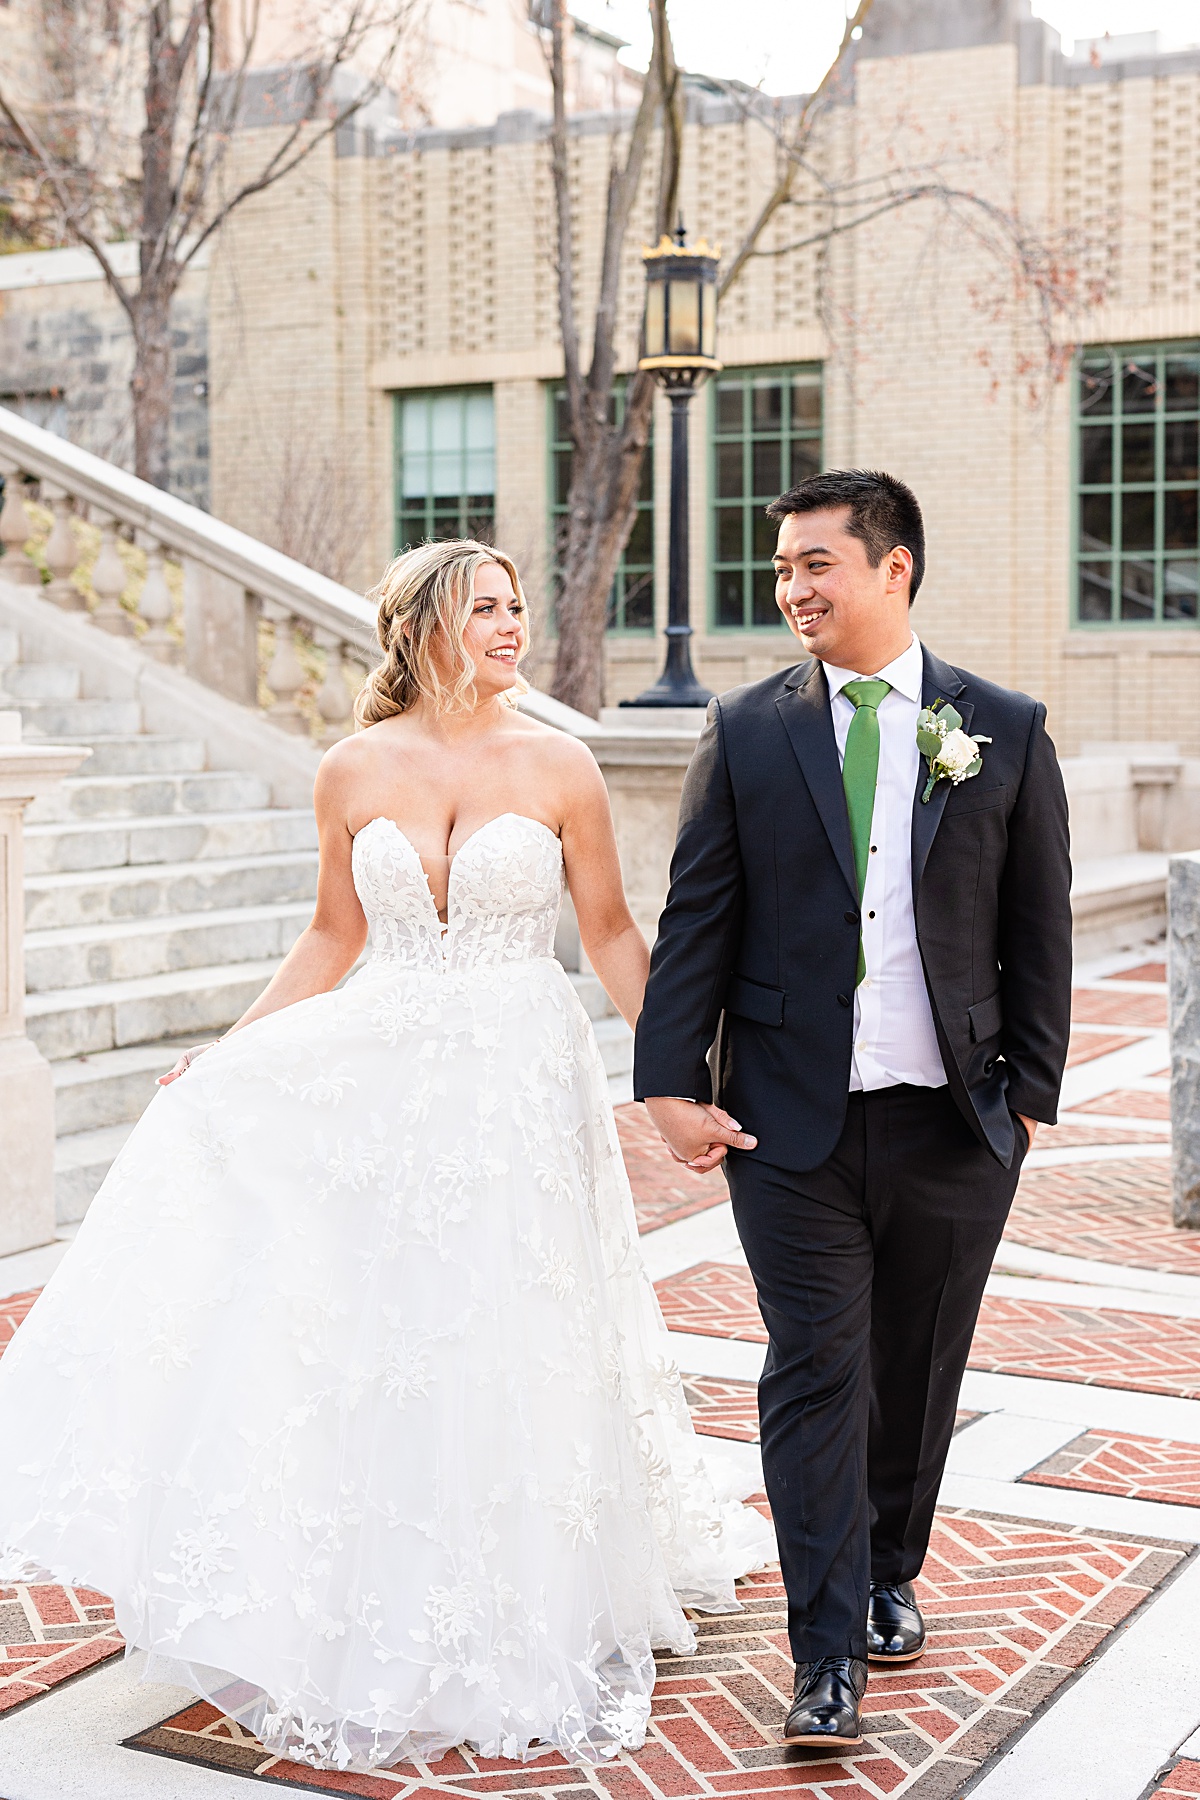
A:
(445, 465)
(1137, 527)
(631, 600)
(766, 436)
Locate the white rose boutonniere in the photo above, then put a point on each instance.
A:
(951, 754)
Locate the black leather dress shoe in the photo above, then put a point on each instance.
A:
(825, 1707)
(895, 1628)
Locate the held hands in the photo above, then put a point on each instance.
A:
(1031, 1126)
(697, 1134)
(184, 1064)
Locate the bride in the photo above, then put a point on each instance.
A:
(353, 1391)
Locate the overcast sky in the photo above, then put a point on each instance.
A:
(786, 45)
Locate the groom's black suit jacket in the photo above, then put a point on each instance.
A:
(758, 944)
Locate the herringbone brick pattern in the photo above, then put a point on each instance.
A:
(1086, 1044)
(714, 1300)
(1155, 1354)
(1100, 1006)
(48, 1634)
(12, 1312)
(1183, 1779)
(1116, 1462)
(1152, 1352)
(727, 1409)
(1115, 1212)
(1129, 1103)
(1012, 1609)
(663, 1190)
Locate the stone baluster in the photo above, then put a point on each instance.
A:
(110, 578)
(16, 529)
(285, 677)
(157, 607)
(62, 553)
(333, 696)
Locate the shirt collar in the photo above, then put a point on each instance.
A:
(906, 674)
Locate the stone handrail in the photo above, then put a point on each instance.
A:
(230, 581)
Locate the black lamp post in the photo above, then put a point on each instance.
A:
(679, 339)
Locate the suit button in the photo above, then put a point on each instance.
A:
(852, 918)
(843, 999)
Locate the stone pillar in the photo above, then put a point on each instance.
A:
(26, 1083)
(644, 771)
(1153, 780)
(1183, 976)
(220, 633)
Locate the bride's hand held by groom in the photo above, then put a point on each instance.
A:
(697, 1133)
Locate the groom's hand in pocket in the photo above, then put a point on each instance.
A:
(697, 1134)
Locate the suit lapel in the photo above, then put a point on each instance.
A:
(939, 682)
(808, 721)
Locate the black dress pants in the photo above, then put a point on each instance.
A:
(869, 1271)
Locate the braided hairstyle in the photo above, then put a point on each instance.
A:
(425, 602)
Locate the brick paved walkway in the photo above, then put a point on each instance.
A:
(48, 1634)
(1129, 1103)
(1012, 1609)
(1154, 1353)
(1114, 1212)
(1101, 1006)
(1116, 1462)
(663, 1191)
(12, 1312)
(1183, 1779)
(1086, 1045)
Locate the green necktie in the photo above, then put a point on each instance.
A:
(860, 766)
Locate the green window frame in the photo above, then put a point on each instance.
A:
(1136, 537)
(765, 435)
(631, 598)
(445, 465)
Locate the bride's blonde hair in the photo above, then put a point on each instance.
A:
(425, 600)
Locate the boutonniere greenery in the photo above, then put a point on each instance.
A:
(951, 754)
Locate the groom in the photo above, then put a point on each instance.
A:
(868, 962)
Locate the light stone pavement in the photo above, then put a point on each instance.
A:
(1070, 1739)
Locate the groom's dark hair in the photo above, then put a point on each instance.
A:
(883, 512)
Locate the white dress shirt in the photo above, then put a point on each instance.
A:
(894, 1038)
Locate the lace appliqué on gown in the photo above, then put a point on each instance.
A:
(353, 1391)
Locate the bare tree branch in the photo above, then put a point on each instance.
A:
(792, 149)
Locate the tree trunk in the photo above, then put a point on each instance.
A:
(151, 386)
(601, 507)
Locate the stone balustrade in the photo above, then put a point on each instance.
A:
(237, 616)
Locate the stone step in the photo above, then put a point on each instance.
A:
(128, 949)
(81, 1162)
(157, 890)
(596, 1003)
(80, 719)
(136, 796)
(179, 837)
(616, 1046)
(109, 1015)
(42, 681)
(113, 1087)
(142, 755)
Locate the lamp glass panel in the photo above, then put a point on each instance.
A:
(684, 312)
(708, 319)
(656, 343)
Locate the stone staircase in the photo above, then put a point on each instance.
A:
(160, 896)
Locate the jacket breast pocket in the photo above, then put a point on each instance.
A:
(985, 1019)
(967, 798)
(752, 1000)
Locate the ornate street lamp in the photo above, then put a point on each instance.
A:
(679, 338)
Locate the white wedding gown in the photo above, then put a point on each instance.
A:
(353, 1391)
